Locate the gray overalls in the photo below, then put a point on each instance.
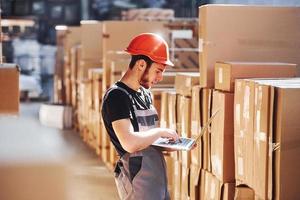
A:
(142, 175)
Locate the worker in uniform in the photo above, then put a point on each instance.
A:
(132, 121)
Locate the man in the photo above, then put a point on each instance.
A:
(131, 121)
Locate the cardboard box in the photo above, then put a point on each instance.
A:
(244, 193)
(33, 181)
(172, 99)
(170, 173)
(185, 179)
(194, 182)
(184, 116)
(264, 34)
(243, 131)
(9, 89)
(164, 122)
(262, 123)
(57, 116)
(227, 72)
(85, 66)
(95, 75)
(185, 81)
(91, 40)
(287, 136)
(202, 183)
(214, 189)
(72, 37)
(280, 94)
(228, 191)
(222, 139)
(211, 187)
(177, 180)
(206, 99)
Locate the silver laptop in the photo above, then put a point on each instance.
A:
(182, 143)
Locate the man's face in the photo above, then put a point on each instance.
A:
(152, 75)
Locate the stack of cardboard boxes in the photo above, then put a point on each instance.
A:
(240, 155)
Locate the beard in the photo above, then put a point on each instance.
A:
(145, 82)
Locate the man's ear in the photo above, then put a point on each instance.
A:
(141, 64)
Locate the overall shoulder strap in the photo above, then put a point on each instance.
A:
(115, 87)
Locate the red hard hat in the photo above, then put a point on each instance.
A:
(151, 45)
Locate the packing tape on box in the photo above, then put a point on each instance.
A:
(217, 165)
(246, 109)
(200, 43)
(220, 75)
(240, 166)
(237, 114)
(195, 127)
(212, 190)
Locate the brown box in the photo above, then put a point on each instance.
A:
(286, 123)
(185, 176)
(185, 81)
(243, 131)
(194, 182)
(9, 89)
(195, 111)
(211, 187)
(206, 99)
(172, 99)
(184, 116)
(280, 95)
(244, 193)
(227, 72)
(263, 112)
(85, 66)
(202, 183)
(164, 110)
(177, 180)
(264, 34)
(91, 40)
(216, 190)
(222, 140)
(72, 37)
(95, 75)
(228, 191)
(33, 181)
(170, 173)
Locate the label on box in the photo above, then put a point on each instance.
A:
(194, 127)
(237, 114)
(220, 75)
(200, 43)
(246, 110)
(240, 166)
(213, 190)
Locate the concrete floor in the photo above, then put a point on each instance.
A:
(24, 140)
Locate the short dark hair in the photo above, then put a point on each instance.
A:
(135, 58)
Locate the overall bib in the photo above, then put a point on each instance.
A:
(142, 175)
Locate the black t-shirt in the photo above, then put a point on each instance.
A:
(117, 105)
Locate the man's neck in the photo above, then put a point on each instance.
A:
(131, 80)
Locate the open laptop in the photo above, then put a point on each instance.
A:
(183, 143)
